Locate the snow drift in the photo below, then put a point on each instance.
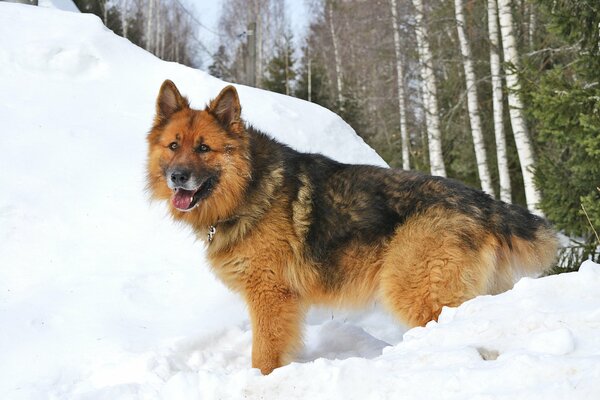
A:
(102, 297)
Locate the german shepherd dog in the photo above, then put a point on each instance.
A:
(287, 230)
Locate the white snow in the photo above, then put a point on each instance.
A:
(65, 5)
(103, 297)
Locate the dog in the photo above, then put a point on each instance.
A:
(287, 230)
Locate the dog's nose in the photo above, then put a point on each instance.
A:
(180, 177)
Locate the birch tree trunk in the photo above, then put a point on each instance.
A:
(497, 102)
(105, 13)
(432, 118)
(124, 15)
(176, 49)
(159, 16)
(259, 52)
(532, 26)
(401, 98)
(472, 102)
(309, 68)
(517, 119)
(287, 68)
(336, 56)
(149, 25)
(162, 42)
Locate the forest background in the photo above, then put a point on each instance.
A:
(503, 95)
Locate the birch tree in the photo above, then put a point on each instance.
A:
(336, 55)
(517, 119)
(400, 82)
(105, 7)
(430, 101)
(532, 26)
(472, 101)
(259, 53)
(159, 22)
(150, 25)
(497, 103)
(125, 17)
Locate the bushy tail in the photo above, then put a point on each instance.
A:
(532, 258)
(526, 257)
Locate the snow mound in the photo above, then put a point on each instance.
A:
(65, 5)
(537, 341)
(102, 297)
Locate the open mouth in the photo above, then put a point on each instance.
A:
(185, 200)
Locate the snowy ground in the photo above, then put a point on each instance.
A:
(102, 297)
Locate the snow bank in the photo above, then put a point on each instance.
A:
(537, 341)
(102, 297)
(65, 5)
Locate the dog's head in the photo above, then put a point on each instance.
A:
(198, 159)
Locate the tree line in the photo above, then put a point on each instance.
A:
(501, 94)
(415, 79)
(166, 28)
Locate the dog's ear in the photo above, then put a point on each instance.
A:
(169, 101)
(226, 108)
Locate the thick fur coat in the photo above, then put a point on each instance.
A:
(287, 230)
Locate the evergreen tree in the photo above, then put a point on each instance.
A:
(107, 11)
(280, 69)
(319, 83)
(566, 107)
(91, 6)
(135, 30)
(177, 43)
(220, 66)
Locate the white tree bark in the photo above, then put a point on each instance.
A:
(309, 72)
(163, 31)
(430, 101)
(259, 52)
(517, 119)
(472, 102)
(532, 26)
(159, 23)
(336, 56)
(400, 81)
(105, 13)
(497, 102)
(287, 67)
(124, 15)
(150, 25)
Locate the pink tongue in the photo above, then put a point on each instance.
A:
(182, 199)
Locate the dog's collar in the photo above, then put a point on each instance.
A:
(211, 233)
(212, 229)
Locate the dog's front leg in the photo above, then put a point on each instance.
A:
(276, 314)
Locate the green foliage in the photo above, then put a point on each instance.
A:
(219, 68)
(280, 69)
(319, 82)
(565, 104)
(571, 257)
(135, 30)
(568, 170)
(91, 6)
(577, 21)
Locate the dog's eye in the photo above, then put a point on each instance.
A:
(202, 148)
(174, 145)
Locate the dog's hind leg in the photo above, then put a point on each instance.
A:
(429, 265)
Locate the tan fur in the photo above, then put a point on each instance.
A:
(427, 267)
